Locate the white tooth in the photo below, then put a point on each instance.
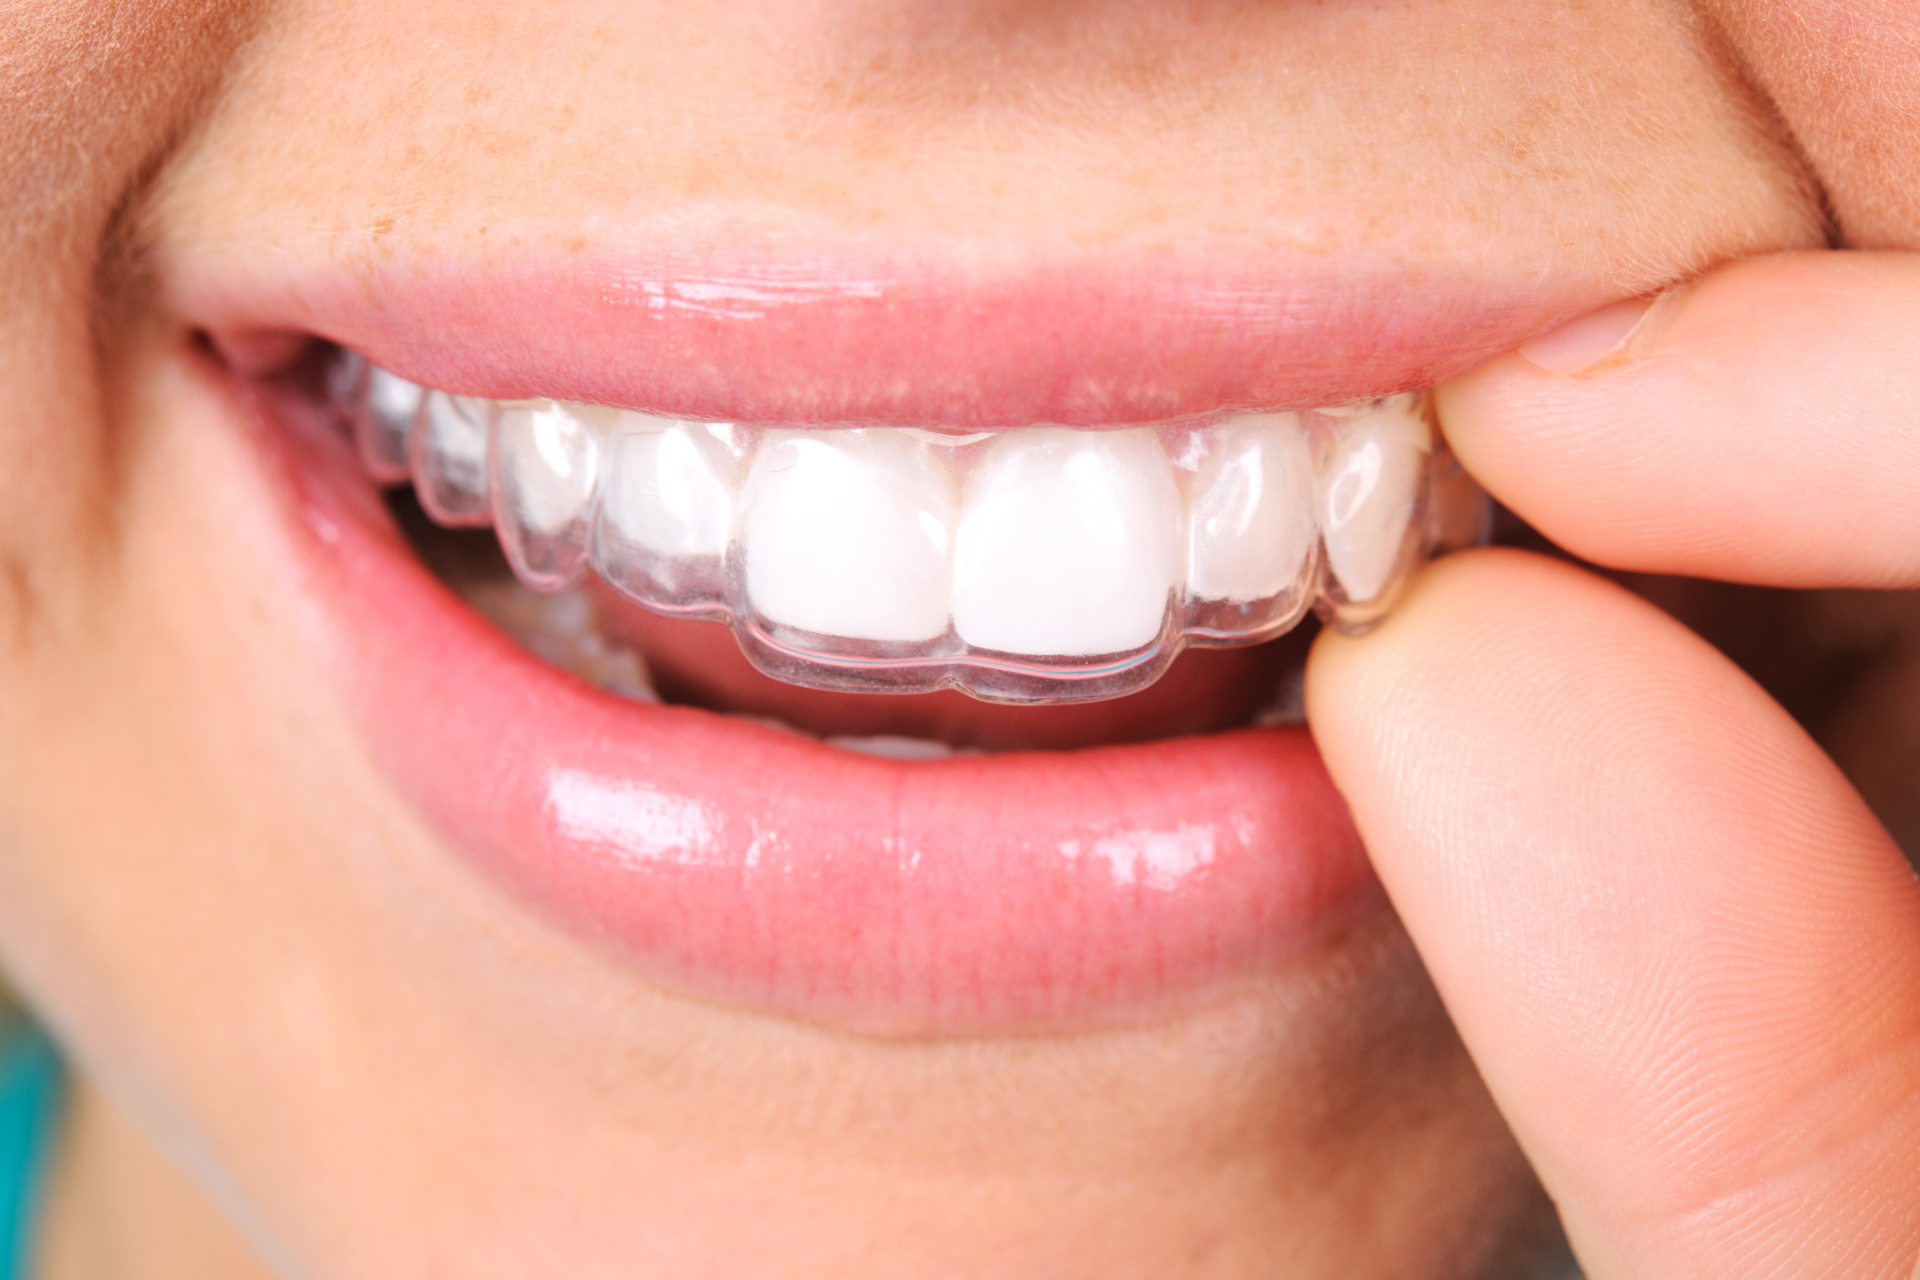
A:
(848, 533)
(447, 449)
(382, 426)
(378, 407)
(551, 451)
(546, 461)
(1069, 543)
(666, 511)
(1367, 494)
(1251, 524)
(893, 747)
(670, 487)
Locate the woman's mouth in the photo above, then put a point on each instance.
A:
(919, 863)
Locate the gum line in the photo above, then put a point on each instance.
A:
(1038, 564)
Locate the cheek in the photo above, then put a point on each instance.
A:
(159, 757)
(95, 92)
(1840, 74)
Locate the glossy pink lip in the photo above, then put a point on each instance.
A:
(848, 337)
(764, 870)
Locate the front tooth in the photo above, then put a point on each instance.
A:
(848, 533)
(1069, 543)
(546, 459)
(1251, 525)
(447, 449)
(1368, 491)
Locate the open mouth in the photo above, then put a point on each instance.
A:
(1085, 789)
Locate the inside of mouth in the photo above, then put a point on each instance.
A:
(1116, 584)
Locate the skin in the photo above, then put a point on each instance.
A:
(307, 1046)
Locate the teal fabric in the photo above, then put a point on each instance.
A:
(30, 1089)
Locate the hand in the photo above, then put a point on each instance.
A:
(1683, 952)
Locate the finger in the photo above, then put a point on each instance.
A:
(1761, 425)
(1684, 956)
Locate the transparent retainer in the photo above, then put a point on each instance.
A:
(1039, 564)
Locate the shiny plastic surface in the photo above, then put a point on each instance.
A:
(1028, 565)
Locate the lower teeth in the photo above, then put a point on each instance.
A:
(564, 631)
(1031, 565)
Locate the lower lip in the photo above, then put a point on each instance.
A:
(978, 895)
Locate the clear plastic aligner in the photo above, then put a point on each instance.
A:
(544, 464)
(447, 452)
(1029, 565)
(380, 409)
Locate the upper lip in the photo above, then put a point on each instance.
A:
(850, 335)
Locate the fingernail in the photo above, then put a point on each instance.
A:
(1578, 345)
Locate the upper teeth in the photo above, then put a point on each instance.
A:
(850, 534)
(1069, 543)
(1029, 564)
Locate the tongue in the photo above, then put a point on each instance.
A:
(699, 664)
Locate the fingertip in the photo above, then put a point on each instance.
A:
(1368, 696)
(1455, 591)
